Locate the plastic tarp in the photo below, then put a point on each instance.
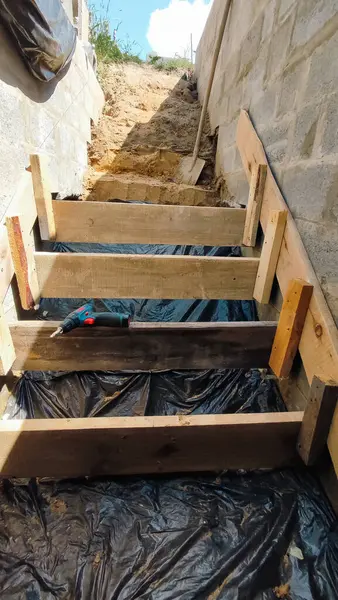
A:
(43, 33)
(233, 536)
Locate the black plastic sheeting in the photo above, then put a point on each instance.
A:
(43, 33)
(233, 536)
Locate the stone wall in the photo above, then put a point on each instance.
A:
(54, 119)
(279, 61)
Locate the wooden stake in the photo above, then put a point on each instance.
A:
(7, 352)
(317, 420)
(43, 196)
(290, 327)
(22, 249)
(269, 257)
(256, 193)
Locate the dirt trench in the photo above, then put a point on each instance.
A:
(149, 121)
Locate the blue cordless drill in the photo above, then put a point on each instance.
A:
(86, 317)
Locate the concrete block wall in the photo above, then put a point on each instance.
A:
(279, 61)
(54, 119)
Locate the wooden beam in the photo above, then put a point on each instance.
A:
(317, 420)
(144, 346)
(138, 445)
(22, 248)
(22, 203)
(255, 200)
(7, 352)
(319, 343)
(122, 223)
(269, 257)
(43, 196)
(69, 275)
(290, 327)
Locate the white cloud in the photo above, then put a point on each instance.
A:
(170, 28)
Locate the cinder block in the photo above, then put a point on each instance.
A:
(330, 121)
(250, 47)
(13, 160)
(254, 83)
(321, 242)
(269, 18)
(285, 8)
(279, 48)
(275, 131)
(263, 108)
(238, 187)
(313, 16)
(12, 122)
(306, 188)
(235, 102)
(305, 132)
(41, 129)
(277, 152)
(225, 159)
(323, 74)
(292, 87)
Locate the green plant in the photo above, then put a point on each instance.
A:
(172, 64)
(109, 49)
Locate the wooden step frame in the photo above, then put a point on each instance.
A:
(79, 447)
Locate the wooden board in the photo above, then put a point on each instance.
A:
(43, 196)
(122, 223)
(70, 275)
(319, 344)
(145, 346)
(134, 445)
(255, 200)
(22, 248)
(269, 257)
(317, 420)
(7, 352)
(290, 327)
(22, 203)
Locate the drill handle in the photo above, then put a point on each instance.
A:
(112, 320)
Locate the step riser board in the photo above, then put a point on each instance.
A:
(116, 223)
(144, 346)
(69, 275)
(136, 445)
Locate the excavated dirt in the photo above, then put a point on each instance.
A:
(149, 120)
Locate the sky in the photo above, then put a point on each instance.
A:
(160, 26)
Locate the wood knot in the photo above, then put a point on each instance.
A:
(318, 330)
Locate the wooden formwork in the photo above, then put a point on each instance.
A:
(71, 447)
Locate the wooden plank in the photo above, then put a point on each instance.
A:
(122, 223)
(317, 420)
(144, 346)
(255, 200)
(7, 352)
(69, 275)
(135, 445)
(319, 343)
(22, 203)
(43, 196)
(22, 248)
(290, 327)
(269, 257)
